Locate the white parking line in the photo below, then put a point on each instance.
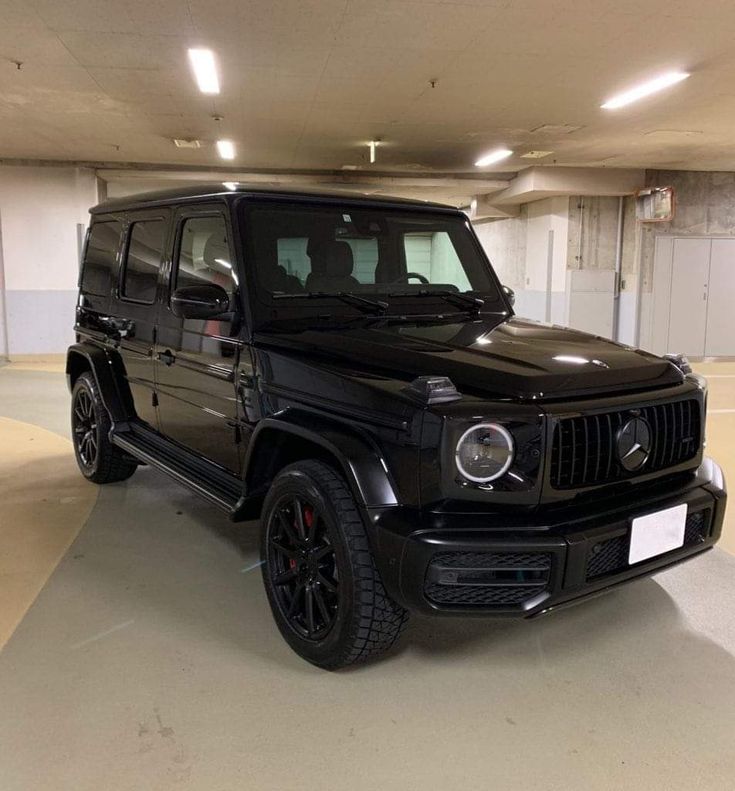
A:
(106, 633)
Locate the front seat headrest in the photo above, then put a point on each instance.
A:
(332, 259)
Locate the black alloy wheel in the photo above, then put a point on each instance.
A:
(84, 428)
(304, 567)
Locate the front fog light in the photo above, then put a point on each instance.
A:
(484, 452)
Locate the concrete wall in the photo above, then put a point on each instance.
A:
(40, 209)
(583, 257)
(504, 241)
(593, 242)
(705, 205)
(593, 231)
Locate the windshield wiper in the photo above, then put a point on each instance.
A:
(472, 304)
(372, 306)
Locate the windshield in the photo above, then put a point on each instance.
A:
(305, 256)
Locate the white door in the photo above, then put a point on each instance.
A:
(720, 338)
(688, 306)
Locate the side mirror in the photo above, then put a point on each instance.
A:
(200, 302)
(510, 294)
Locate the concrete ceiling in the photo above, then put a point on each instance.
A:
(306, 83)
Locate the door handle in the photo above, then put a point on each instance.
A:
(167, 357)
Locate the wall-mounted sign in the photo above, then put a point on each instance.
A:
(655, 204)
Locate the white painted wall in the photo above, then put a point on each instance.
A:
(40, 208)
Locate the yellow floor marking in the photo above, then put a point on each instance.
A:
(47, 367)
(44, 502)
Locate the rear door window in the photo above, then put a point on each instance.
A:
(143, 260)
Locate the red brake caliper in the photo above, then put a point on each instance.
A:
(308, 516)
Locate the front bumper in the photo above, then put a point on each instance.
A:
(512, 566)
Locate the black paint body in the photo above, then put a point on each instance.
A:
(222, 406)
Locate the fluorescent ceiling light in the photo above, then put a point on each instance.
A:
(230, 185)
(493, 156)
(205, 70)
(645, 89)
(226, 149)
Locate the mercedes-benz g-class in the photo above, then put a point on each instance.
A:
(349, 371)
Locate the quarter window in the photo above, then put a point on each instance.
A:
(100, 257)
(143, 260)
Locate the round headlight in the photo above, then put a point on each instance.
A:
(484, 452)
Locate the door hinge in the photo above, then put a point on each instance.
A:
(154, 399)
(235, 426)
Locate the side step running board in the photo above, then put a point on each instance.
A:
(221, 489)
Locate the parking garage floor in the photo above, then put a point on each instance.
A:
(140, 654)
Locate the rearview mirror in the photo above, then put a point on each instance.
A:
(510, 294)
(200, 302)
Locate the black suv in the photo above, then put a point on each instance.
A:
(349, 371)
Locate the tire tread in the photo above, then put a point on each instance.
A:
(378, 621)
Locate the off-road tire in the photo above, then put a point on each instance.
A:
(367, 621)
(110, 463)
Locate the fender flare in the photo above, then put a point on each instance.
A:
(357, 455)
(107, 370)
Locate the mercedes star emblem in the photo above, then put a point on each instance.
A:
(634, 443)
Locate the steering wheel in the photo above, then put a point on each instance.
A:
(408, 276)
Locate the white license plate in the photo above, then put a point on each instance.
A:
(657, 533)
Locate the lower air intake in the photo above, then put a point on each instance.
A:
(488, 579)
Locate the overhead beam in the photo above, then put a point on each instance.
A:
(333, 177)
(537, 183)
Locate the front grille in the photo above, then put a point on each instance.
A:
(584, 447)
(611, 556)
(501, 579)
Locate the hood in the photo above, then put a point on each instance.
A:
(492, 356)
